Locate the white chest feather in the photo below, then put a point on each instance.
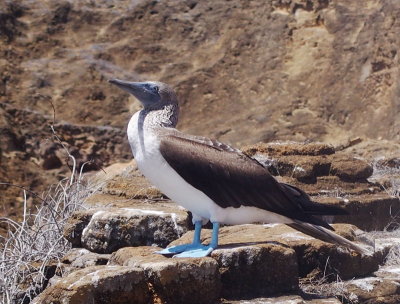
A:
(145, 148)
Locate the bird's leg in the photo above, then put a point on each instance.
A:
(214, 238)
(202, 250)
(185, 247)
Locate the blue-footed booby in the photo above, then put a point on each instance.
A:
(214, 181)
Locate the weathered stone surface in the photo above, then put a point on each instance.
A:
(368, 212)
(333, 186)
(299, 44)
(74, 226)
(374, 290)
(390, 272)
(331, 178)
(257, 270)
(123, 180)
(141, 224)
(307, 162)
(285, 300)
(174, 280)
(284, 149)
(314, 257)
(243, 271)
(81, 258)
(350, 169)
(98, 284)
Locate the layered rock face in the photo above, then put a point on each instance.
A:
(245, 71)
(117, 236)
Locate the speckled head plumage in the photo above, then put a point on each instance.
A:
(151, 94)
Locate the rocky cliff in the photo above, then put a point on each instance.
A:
(245, 71)
(116, 236)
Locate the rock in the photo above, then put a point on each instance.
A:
(131, 224)
(74, 226)
(285, 300)
(81, 258)
(307, 162)
(374, 150)
(300, 49)
(174, 280)
(124, 180)
(10, 26)
(391, 162)
(368, 212)
(98, 284)
(387, 174)
(49, 156)
(390, 272)
(374, 290)
(332, 178)
(285, 149)
(314, 257)
(351, 169)
(257, 270)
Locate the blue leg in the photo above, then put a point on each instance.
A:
(185, 247)
(201, 250)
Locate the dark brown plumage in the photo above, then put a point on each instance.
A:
(232, 179)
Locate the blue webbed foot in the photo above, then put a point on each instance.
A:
(203, 251)
(179, 249)
(196, 249)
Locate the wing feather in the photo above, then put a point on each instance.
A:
(232, 179)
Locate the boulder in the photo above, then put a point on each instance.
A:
(133, 225)
(98, 284)
(350, 169)
(184, 280)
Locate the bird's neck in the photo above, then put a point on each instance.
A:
(164, 117)
(147, 122)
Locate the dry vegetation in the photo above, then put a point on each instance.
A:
(32, 249)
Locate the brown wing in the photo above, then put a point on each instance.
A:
(232, 179)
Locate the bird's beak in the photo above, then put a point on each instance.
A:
(124, 85)
(137, 89)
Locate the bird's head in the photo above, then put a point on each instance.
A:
(151, 94)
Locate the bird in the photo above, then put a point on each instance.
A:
(214, 181)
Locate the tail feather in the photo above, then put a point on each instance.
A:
(310, 207)
(328, 236)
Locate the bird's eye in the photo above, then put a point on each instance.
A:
(155, 89)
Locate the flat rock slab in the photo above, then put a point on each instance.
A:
(184, 280)
(285, 300)
(314, 257)
(126, 223)
(306, 162)
(99, 284)
(368, 212)
(247, 271)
